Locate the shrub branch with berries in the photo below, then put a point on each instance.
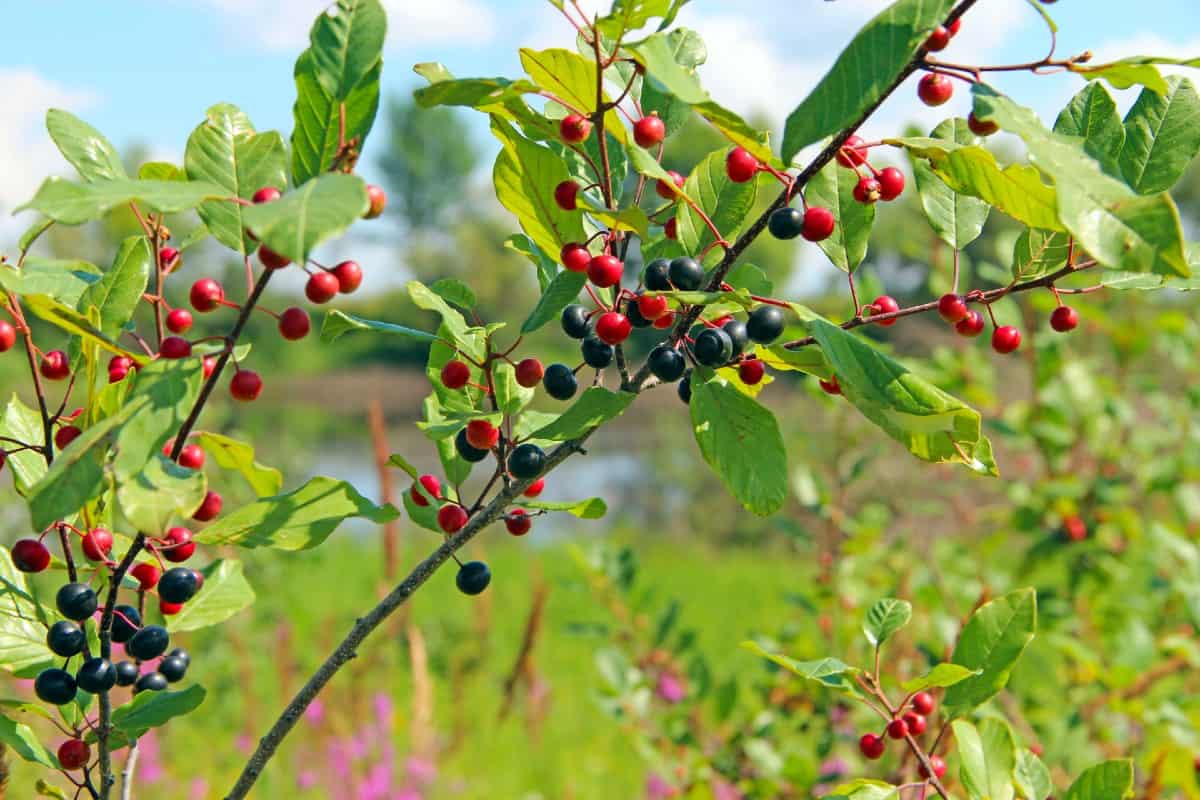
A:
(122, 480)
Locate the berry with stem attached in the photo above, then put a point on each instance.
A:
(613, 327)
(179, 320)
(452, 518)
(886, 304)
(267, 194)
(657, 275)
(246, 385)
(605, 270)
(1006, 339)
(574, 128)
(852, 153)
(178, 545)
(146, 574)
(97, 544)
(30, 555)
(294, 324)
(914, 722)
(206, 295)
(923, 704)
(952, 307)
(566, 195)
(971, 325)
(473, 577)
(55, 686)
(8, 336)
(872, 746)
(651, 308)
(191, 456)
(751, 371)
(76, 601)
(897, 729)
(596, 352)
(529, 372)
(349, 276)
(560, 382)
(127, 673)
(518, 522)
(686, 273)
(535, 488)
(526, 461)
(575, 257)
(786, 223)
(649, 131)
(666, 363)
(321, 287)
(891, 183)
(939, 39)
(576, 322)
(66, 639)
(713, 347)
(739, 334)
(465, 451)
(818, 224)
(173, 668)
(867, 191)
(935, 89)
(96, 675)
(741, 165)
(482, 434)
(55, 365)
(455, 374)
(178, 585)
(150, 642)
(126, 622)
(376, 202)
(431, 484)
(74, 754)
(175, 347)
(765, 324)
(1063, 319)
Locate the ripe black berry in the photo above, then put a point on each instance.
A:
(666, 363)
(657, 277)
(685, 388)
(713, 347)
(560, 382)
(151, 681)
(178, 585)
(473, 577)
(96, 675)
(786, 223)
(765, 324)
(466, 451)
(597, 353)
(150, 642)
(173, 668)
(55, 686)
(686, 273)
(65, 639)
(575, 321)
(180, 653)
(76, 601)
(527, 461)
(127, 673)
(126, 622)
(737, 334)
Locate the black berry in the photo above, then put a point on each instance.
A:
(786, 223)
(65, 639)
(179, 652)
(527, 461)
(76, 601)
(737, 334)
(55, 686)
(686, 273)
(713, 347)
(657, 277)
(126, 622)
(766, 324)
(596, 353)
(151, 681)
(178, 585)
(473, 577)
(467, 451)
(560, 382)
(575, 321)
(634, 315)
(173, 668)
(685, 388)
(150, 642)
(666, 363)
(96, 675)
(127, 673)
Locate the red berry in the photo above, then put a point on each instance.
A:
(178, 545)
(267, 194)
(120, 362)
(322, 287)
(1063, 319)
(671, 229)
(867, 191)
(97, 544)
(349, 276)
(575, 257)
(74, 754)
(210, 508)
(529, 372)
(751, 371)
(971, 325)
(981, 127)
(891, 183)
(652, 307)
(1006, 339)
(431, 484)
(455, 374)
(613, 327)
(377, 198)
(272, 260)
(146, 574)
(179, 320)
(1075, 528)
(740, 165)
(663, 189)
(852, 154)
(294, 324)
(956, 26)
(175, 347)
(169, 609)
(830, 386)
(482, 435)
(649, 131)
(897, 729)
(65, 435)
(206, 295)
(565, 195)
(886, 304)
(935, 89)
(30, 555)
(209, 365)
(915, 723)
(574, 128)
(922, 703)
(872, 746)
(952, 307)
(536, 488)
(55, 365)
(191, 456)
(818, 224)
(938, 39)
(8, 336)
(605, 270)
(118, 374)
(939, 767)
(167, 256)
(246, 385)
(451, 518)
(665, 321)
(518, 522)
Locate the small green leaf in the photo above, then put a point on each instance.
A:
(24, 424)
(76, 203)
(941, 676)
(885, 618)
(833, 188)
(957, 218)
(1162, 135)
(229, 453)
(150, 710)
(1108, 780)
(1131, 71)
(454, 291)
(1092, 117)
(829, 672)
(346, 45)
(1037, 253)
(119, 293)
(318, 118)
(563, 290)
(592, 508)
(482, 93)
(161, 491)
(511, 397)
(165, 393)
(305, 217)
(161, 171)
(629, 15)
(24, 742)
(400, 461)
(76, 324)
(64, 281)
(225, 592)
(988, 756)
(337, 323)
(1032, 777)
(84, 147)
(992, 640)
(594, 407)
(658, 54)
(453, 322)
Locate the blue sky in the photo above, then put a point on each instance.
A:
(145, 70)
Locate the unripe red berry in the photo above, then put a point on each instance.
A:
(117, 374)
(935, 89)
(922, 703)
(8, 336)
(452, 518)
(872, 746)
(665, 321)
(891, 183)
(146, 574)
(482, 435)
(971, 325)
(179, 320)
(852, 153)
(272, 260)
(751, 371)
(120, 362)
(981, 127)
(663, 189)
(886, 304)
(175, 347)
(455, 374)
(191, 456)
(65, 435)
(818, 224)
(167, 256)
(529, 372)
(377, 198)
(740, 165)
(55, 365)
(613, 327)
(535, 488)
(897, 729)
(649, 131)
(830, 386)
(952, 307)
(652, 307)
(1063, 319)
(1075, 528)
(938, 40)
(168, 609)
(956, 26)
(246, 385)
(867, 191)
(518, 522)
(210, 508)
(671, 229)
(267, 194)
(605, 270)
(566, 194)
(209, 366)
(349, 276)
(939, 767)
(575, 257)
(1006, 339)
(178, 545)
(915, 723)
(574, 128)
(30, 555)
(294, 324)
(97, 544)
(322, 287)
(431, 484)
(74, 754)
(206, 295)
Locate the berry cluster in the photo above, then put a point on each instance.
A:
(909, 721)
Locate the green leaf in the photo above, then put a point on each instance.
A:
(592, 508)
(726, 203)
(594, 407)
(161, 171)
(150, 710)
(689, 53)
(22, 629)
(225, 151)
(740, 440)
(317, 115)
(1037, 253)
(453, 322)
(992, 640)
(1131, 71)
(941, 676)
(829, 672)
(76, 203)
(571, 77)
(956, 218)
(833, 188)
(159, 492)
(165, 392)
(737, 130)
(885, 618)
(1032, 777)
(1118, 228)
(454, 291)
(62, 280)
(298, 520)
(525, 175)
(74, 323)
(232, 454)
(932, 424)
(863, 72)
(483, 93)
(400, 461)
(563, 290)
(1108, 780)
(347, 44)
(1092, 117)
(84, 147)
(987, 756)
(24, 424)
(1162, 135)
(305, 217)
(630, 218)
(224, 594)
(117, 295)
(629, 15)
(659, 55)
(337, 323)
(809, 360)
(24, 742)
(511, 397)
(864, 789)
